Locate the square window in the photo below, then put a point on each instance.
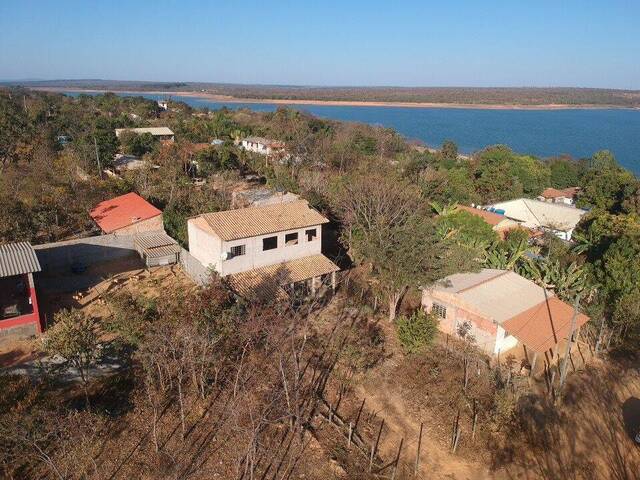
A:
(238, 250)
(291, 238)
(439, 310)
(311, 234)
(269, 243)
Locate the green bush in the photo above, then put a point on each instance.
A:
(417, 332)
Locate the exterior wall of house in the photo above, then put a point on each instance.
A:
(484, 330)
(150, 225)
(256, 257)
(257, 147)
(208, 248)
(504, 341)
(24, 325)
(204, 246)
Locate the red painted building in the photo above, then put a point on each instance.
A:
(19, 314)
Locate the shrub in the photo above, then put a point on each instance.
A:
(418, 331)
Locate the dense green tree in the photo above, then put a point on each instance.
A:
(388, 229)
(137, 144)
(467, 228)
(605, 184)
(564, 172)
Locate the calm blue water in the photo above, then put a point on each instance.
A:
(543, 133)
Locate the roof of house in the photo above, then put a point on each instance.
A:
(535, 316)
(156, 244)
(542, 326)
(265, 141)
(254, 221)
(151, 130)
(17, 259)
(556, 193)
(122, 211)
(267, 282)
(535, 214)
(493, 219)
(495, 294)
(261, 196)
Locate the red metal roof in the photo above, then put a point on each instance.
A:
(122, 211)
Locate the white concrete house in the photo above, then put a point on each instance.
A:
(263, 146)
(557, 218)
(252, 247)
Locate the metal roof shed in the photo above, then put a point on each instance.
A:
(157, 248)
(18, 259)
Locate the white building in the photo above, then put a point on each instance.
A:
(263, 146)
(163, 104)
(270, 248)
(565, 195)
(164, 134)
(536, 215)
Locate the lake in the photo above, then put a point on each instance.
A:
(544, 133)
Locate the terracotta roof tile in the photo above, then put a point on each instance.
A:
(122, 211)
(491, 218)
(542, 326)
(254, 221)
(267, 281)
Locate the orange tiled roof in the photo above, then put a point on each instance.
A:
(555, 193)
(254, 221)
(122, 211)
(267, 282)
(542, 326)
(491, 218)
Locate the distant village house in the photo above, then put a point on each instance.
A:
(164, 134)
(565, 195)
(19, 314)
(263, 146)
(556, 218)
(127, 215)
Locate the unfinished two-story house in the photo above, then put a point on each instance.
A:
(270, 250)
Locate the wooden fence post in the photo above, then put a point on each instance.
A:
(395, 464)
(374, 448)
(417, 465)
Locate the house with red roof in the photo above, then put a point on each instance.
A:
(503, 311)
(127, 215)
(554, 195)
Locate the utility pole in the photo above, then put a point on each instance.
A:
(95, 143)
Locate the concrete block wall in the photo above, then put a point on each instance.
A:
(88, 251)
(194, 268)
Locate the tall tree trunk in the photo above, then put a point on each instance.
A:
(394, 300)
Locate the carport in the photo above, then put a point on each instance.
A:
(157, 248)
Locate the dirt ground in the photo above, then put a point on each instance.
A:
(587, 434)
(57, 291)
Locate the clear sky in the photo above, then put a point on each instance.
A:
(586, 43)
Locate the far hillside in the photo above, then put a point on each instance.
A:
(445, 95)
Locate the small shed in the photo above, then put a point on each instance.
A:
(19, 314)
(157, 248)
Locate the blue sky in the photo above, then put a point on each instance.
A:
(588, 43)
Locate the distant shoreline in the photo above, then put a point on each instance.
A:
(344, 103)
